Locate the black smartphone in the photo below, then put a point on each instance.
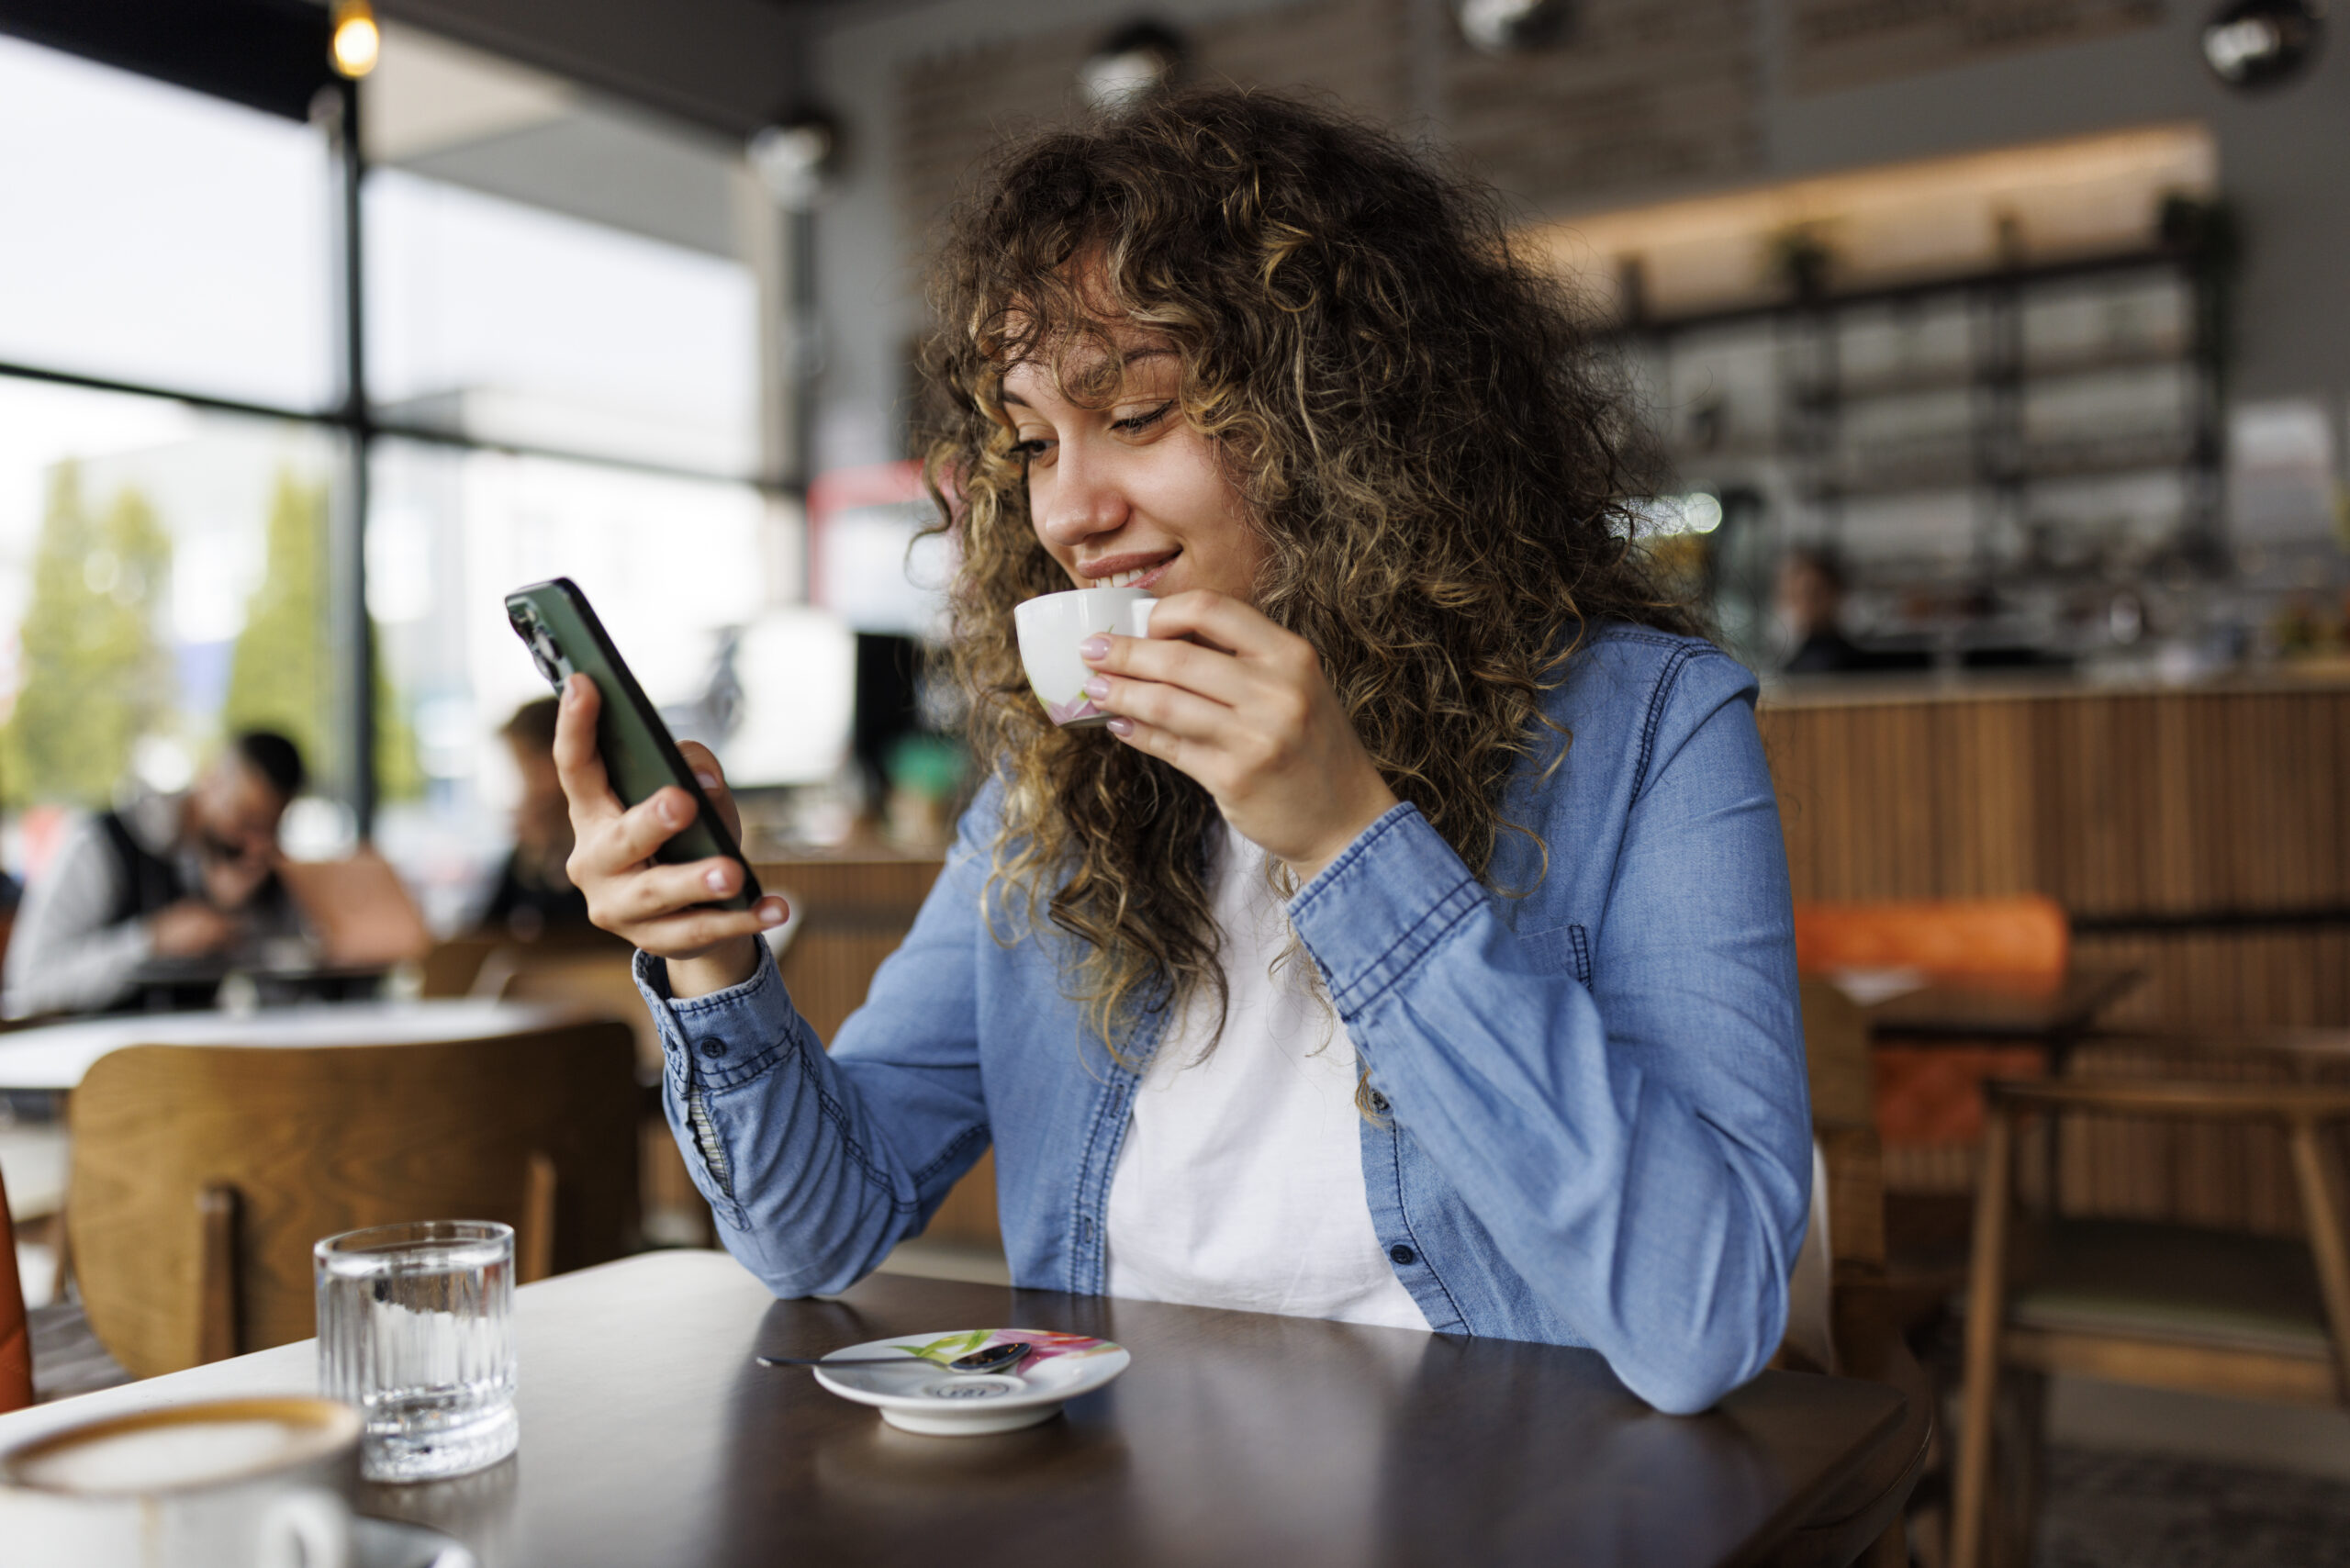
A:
(555, 623)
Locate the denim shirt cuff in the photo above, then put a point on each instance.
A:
(727, 1037)
(1382, 904)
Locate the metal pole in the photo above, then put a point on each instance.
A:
(807, 351)
(354, 649)
(803, 365)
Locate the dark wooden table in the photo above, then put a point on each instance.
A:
(649, 1436)
(1977, 1013)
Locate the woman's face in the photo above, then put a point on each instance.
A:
(1130, 495)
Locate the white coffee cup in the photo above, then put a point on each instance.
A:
(1051, 627)
(219, 1484)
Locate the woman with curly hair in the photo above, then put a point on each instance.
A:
(1414, 946)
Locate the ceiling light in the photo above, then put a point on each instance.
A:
(796, 155)
(1513, 26)
(1137, 60)
(2253, 44)
(357, 41)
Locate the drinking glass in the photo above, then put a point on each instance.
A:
(415, 1328)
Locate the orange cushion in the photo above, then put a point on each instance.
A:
(2024, 938)
(1933, 1094)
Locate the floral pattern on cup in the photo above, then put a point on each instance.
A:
(1074, 712)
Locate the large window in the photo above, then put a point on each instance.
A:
(157, 236)
(562, 326)
(494, 320)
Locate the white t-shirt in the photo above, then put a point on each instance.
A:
(1240, 1183)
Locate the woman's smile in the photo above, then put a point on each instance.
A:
(1130, 568)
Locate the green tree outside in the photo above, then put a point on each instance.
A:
(278, 678)
(281, 673)
(97, 677)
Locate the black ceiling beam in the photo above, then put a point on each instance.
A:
(267, 54)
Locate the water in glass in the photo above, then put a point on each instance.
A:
(416, 1329)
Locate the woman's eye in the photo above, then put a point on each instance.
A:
(1030, 450)
(1144, 422)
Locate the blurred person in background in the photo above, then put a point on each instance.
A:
(161, 882)
(533, 897)
(1811, 605)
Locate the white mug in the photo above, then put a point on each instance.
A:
(219, 1484)
(1052, 626)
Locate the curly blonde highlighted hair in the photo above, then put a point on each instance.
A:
(1438, 459)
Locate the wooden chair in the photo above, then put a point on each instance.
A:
(1860, 1520)
(202, 1174)
(16, 1332)
(1928, 1100)
(600, 977)
(2164, 1305)
(597, 978)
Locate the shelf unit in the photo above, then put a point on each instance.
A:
(1977, 408)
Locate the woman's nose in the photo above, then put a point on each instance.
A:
(1083, 499)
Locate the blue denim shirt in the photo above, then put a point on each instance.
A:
(1594, 1124)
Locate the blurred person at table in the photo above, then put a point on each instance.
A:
(157, 886)
(1413, 946)
(1810, 596)
(532, 897)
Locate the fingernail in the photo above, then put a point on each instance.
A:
(715, 878)
(707, 781)
(570, 691)
(1121, 726)
(1097, 686)
(672, 812)
(1097, 646)
(771, 913)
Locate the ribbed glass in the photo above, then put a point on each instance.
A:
(415, 1328)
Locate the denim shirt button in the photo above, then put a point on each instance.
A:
(1402, 1255)
(1379, 1101)
(713, 1049)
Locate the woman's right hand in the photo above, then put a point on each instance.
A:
(658, 907)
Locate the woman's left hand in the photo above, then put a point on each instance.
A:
(1242, 707)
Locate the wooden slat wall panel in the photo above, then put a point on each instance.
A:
(2115, 804)
(2123, 804)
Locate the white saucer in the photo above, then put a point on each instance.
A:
(907, 1379)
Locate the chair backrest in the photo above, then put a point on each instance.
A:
(449, 966)
(852, 914)
(600, 979)
(359, 908)
(1836, 1057)
(203, 1174)
(16, 1337)
(2026, 937)
(1843, 1123)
